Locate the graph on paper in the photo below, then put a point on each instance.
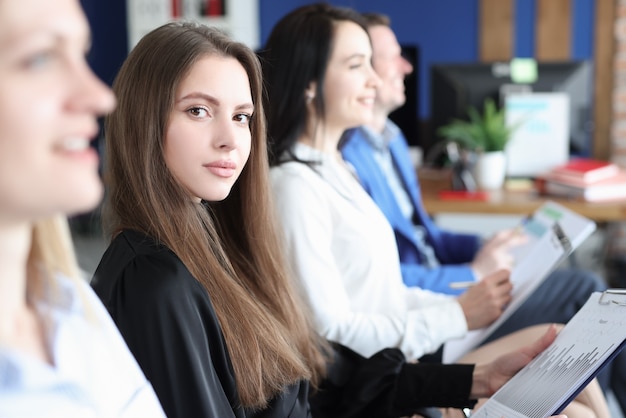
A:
(547, 383)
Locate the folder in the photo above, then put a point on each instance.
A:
(587, 343)
(553, 232)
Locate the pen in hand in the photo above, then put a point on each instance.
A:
(462, 285)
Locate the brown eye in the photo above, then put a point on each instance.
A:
(198, 112)
(243, 118)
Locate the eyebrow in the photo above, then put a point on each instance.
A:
(213, 100)
(58, 39)
(357, 55)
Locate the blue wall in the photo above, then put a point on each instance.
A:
(108, 26)
(447, 30)
(444, 30)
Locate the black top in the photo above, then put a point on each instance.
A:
(169, 324)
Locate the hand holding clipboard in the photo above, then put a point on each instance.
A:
(586, 344)
(553, 233)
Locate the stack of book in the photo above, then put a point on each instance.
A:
(585, 179)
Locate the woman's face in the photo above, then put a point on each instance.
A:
(49, 103)
(350, 85)
(208, 139)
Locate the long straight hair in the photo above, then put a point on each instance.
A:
(296, 54)
(231, 247)
(51, 253)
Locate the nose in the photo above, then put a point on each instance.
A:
(374, 80)
(225, 134)
(406, 66)
(90, 93)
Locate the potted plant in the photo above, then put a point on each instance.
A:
(486, 135)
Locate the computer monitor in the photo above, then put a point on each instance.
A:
(456, 86)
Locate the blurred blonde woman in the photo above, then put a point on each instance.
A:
(60, 354)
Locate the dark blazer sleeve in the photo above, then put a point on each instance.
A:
(385, 385)
(169, 324)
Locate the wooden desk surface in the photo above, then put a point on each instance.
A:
(508, 202)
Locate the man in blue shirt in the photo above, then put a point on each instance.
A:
(431, 257)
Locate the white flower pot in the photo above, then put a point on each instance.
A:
(490, 170)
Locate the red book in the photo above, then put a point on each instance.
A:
(583, 171)
(214, 8)
(463, 195)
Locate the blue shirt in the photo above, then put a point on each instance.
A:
(382, 155)
(93, 373)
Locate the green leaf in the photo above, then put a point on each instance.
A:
(486, 131)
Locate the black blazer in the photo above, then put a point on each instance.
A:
(169, 324)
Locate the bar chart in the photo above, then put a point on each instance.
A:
(555, 376)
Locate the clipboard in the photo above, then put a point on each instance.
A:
(554, 233)
(587, 343)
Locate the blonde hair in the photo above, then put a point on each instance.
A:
(52, 253)
(52, 250)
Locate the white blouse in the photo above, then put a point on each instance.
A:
(94, 374)
(343, 251)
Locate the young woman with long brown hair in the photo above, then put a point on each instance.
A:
(177, 238)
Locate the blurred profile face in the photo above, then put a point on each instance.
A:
(208, 139)
(390, 66)
(49, 103)
(350, 84)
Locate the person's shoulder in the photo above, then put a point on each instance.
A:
(352, 136)
(289, 168)
(135, 243)
(296, 184)
(294, 176)
(142, 267)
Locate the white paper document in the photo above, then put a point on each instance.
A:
(548, 383)
(553, 232)
(540, 139)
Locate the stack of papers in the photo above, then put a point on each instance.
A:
(553, 233)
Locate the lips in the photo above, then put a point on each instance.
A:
(224, 169)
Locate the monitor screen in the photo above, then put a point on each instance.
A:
(456, 86)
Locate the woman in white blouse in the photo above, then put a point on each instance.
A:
(60, 354)
(320, 82)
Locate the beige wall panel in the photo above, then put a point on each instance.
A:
(604, 47)
(495, 30)
(553, 30)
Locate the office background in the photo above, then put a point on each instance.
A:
(443, 31)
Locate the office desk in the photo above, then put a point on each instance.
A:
(509, 202)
